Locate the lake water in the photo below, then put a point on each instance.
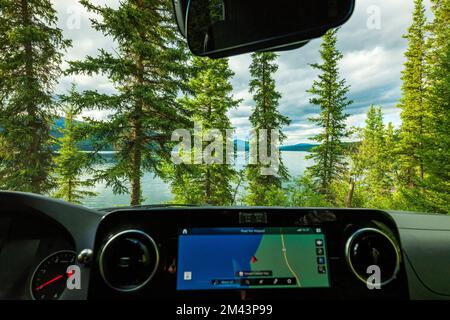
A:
(154, 190)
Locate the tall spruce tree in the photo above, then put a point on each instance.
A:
(435, 195)
(330, 94)
(391, 140)
(373, 160)
(413, 101)
(31, 49)
(439, 30)
(373, 152)
(265, 115)
(147, 70)
(71, 162)
(211, 180)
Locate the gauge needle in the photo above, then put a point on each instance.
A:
(49, 281)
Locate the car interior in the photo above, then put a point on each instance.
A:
(52, 249)
(135, 253)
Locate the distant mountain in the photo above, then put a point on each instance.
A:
(85, 145)
(298, 147)
(242, 145)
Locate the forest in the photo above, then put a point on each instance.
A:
(160, 87)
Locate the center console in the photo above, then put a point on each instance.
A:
(247, 254)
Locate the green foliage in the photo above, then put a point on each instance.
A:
(425, 131)
(303, 193)
(413, 102)
(211, 181)
(276, 196)
(71, 162)
(31, 48)
(330, 94)
(148, 70)
(375, 154)
(373, 169)
(434, 192)
(265, 115)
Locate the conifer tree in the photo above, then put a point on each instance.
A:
(330, 94)
(373, 152)
(265, 116)
(148, 69)
(434, 194)
(31, 49)
(211, 180)
(71, 162)
(374, 160)
(390, 154)
(413, 101)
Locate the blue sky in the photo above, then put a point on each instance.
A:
(371, 42)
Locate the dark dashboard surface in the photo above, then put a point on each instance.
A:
(26, 238)
(413, 248)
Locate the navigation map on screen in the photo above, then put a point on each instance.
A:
(251, 258)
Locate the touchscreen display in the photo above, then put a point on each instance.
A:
(251, 258)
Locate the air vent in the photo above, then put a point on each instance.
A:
(128, 260)
(369, 246)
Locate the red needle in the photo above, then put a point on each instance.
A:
(49, 281)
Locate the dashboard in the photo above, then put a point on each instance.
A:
(52, 250)
(27, 238)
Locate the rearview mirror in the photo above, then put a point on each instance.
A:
(221, 28)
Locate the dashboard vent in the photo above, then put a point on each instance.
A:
(372, 247)
(128, 260)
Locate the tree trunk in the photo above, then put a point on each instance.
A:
(351, 191)
(208, 186)
(137, 140)
(327, 169)
(69, 193)
(36, 178)
(421, 121)
(136, 192)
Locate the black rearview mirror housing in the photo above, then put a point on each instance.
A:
(222, 28)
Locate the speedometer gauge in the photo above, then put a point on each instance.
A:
(49, 279)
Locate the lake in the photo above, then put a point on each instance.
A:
(154, 190)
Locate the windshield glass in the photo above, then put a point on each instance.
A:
(102, 104)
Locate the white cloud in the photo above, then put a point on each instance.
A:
(366, 69)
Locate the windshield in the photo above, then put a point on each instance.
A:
(102, 104)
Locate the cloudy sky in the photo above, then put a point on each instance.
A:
(371, 42)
